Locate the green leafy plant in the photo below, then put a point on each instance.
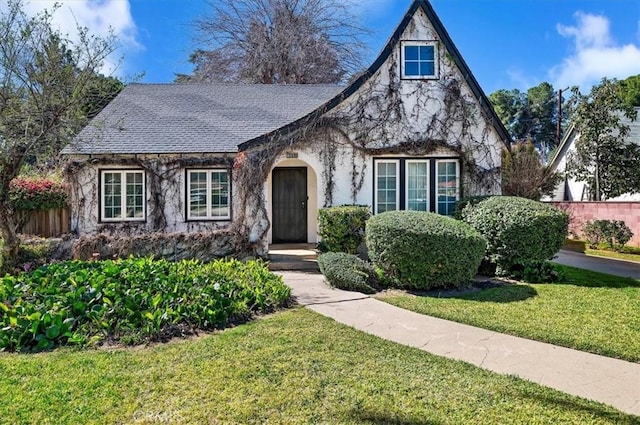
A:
(348, 272)
(467, 201)
(131, 300)
(520, 232)
(342, 229)
(421, 250)
(542, 273)
(615, 233)
(31, 194)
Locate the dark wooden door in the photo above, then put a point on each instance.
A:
(289, 205)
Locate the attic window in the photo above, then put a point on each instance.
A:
(419, 60)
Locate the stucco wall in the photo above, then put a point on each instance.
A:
(85, 194)
(581, 212)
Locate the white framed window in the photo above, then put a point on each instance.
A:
(417, 184)
(448, 186)
(208, 196)
(387, 185)
(419, 59)
(122, 195)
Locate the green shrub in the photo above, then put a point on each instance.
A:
(30, 194)
(423, 250)
(468, 201)
(342, 228)
(520, 232)
(542, 273)
(130, 301)
(348, 272)
(615, 233)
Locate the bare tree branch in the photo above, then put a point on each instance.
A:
(278, 42)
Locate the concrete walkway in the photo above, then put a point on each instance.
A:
(610, 381)
(599, 264)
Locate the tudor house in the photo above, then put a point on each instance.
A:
(413, 132)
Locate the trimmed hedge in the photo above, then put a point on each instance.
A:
(131, 301)
(342, 228)
(520, 232)
(348, 272)
(421, 250)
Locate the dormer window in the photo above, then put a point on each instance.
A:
(419, 60)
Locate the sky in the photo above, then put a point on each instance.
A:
(508, 44)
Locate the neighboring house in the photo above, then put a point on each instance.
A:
(577, 191)
(414, 131)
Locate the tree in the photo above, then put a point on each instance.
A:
(44, 82)
(277, 42)
(603, 158)
(630, 90)
(524, 174)
(530, 116)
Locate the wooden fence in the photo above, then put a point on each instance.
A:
(48, 223)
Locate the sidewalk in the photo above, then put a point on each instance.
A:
(599, 264)
(611, 381)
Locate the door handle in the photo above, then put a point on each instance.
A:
(302, 204)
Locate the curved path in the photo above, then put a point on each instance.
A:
(611, 381)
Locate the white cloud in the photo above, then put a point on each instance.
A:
(596, 54)
(100, 17)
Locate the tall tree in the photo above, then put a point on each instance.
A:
(630, 90)
(277, 42)
(44, 79)
(531, 116)
(603, 158)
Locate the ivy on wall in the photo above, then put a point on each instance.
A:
(384, 116)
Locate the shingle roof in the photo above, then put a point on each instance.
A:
(195, 118)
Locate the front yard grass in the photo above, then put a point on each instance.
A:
(591, 311)
(632, 254)
(293, 367)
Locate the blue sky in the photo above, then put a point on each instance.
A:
(506, 43)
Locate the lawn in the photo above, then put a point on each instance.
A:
(590, 311)
(630, 254)
(293, 367)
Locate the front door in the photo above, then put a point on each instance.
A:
(289, 205)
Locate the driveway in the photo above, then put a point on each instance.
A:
(598, 264)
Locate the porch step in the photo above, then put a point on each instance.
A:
(293, 257)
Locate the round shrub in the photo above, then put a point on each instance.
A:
(520, 232)
(342, 228)
(348, 272)
(421, 250)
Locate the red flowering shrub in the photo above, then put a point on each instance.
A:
(28, 194)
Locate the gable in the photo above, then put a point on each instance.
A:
(419, 24)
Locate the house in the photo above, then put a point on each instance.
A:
(577, 191)
(414, 131)
(575, 197)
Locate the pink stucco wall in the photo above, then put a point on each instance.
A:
(581, 212)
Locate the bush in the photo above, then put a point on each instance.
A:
(520, 232)
(348, 272)
(130, 301)
(615, 233)
(464, 202)
(342, 229)
(421, 250)
(31, 194)
(542, 273)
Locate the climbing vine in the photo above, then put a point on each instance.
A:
(384, 116)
